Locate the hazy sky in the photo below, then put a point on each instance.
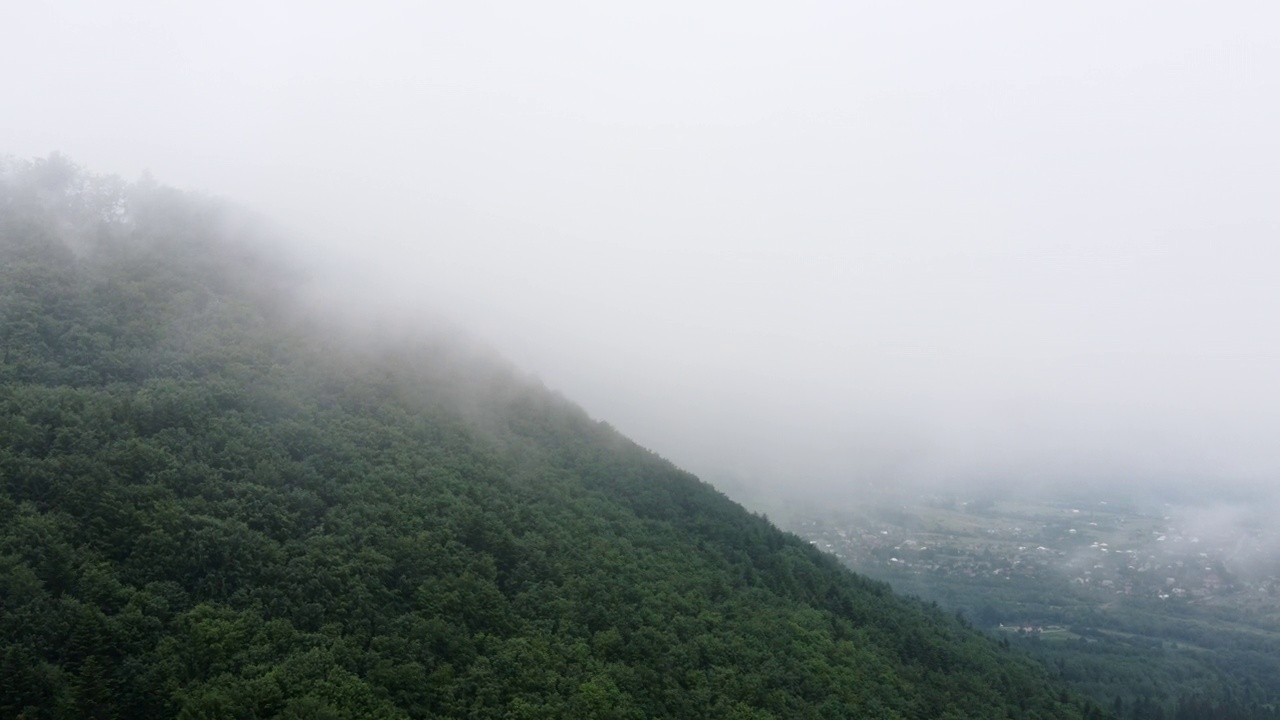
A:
(805, 242)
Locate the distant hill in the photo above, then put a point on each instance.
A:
(215, 503)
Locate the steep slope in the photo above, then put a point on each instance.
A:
(213, 504)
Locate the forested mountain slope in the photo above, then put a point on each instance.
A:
(215, 504)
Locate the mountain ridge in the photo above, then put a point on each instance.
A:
(214, 506)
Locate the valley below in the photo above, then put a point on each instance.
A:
(1132, 602)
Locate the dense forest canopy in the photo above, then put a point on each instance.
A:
(215, 504)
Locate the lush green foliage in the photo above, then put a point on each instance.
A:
(211, 506)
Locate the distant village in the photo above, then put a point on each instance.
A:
(1098, 551)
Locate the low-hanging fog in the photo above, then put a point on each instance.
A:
(798, 245)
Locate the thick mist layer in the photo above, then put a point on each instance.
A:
(802, 246)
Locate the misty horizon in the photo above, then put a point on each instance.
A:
(810, 249)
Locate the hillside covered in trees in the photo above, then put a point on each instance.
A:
(215, 503)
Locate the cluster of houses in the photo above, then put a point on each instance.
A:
(1075, 548)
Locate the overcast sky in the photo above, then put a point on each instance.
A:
(813, 243)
